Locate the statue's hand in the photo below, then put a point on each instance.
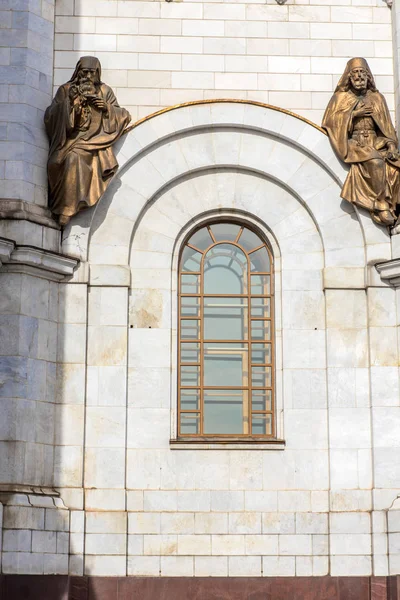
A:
(73, 93)
(363, 110)
(393, 153)
(99, 103)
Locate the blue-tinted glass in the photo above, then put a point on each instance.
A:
(201, 239)
(190, 260)
(225, 270)
(223, 411)
(225, 318)
(225, 364)
(225, 231)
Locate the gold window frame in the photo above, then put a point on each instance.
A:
(248, 412)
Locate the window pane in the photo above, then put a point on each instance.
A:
(190, 353)
(261, 353)
(261, 330)
(190, 376)
(190, 423)
(261, 400)
(249, 240)
(261, 377)
(259, 260)
(190, 400)
(226, 364)
(225, 270)
(225, 231)
(190, 307)
(261, 424)
(261, 307)
(225, 318)
(190, 329)
(260, 285)
(190, 260)
(223, 411)
(201, 239)
(190, 284)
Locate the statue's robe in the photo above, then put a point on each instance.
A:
(81, 160)
(373, 181)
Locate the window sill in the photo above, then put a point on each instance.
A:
(192, 444)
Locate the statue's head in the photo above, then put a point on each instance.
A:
(87, 73)
(357, 76)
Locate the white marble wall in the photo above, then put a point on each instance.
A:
(26, 74)
(158, 54)
(138, 504)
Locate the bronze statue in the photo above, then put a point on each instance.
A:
(82, 123)
(361, 132)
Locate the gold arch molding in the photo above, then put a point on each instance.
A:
(221, 101)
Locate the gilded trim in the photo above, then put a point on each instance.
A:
(222, 100)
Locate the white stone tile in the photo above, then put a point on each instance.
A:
(143, 469)
(178, 523)
(245, 471)
(156, 545)
(319, 501)
(306, 428)
(134, 501)
(215, 566)
(211, 523)
(305, 388)
(311, 523)
(190, 501)
(145, 566)
(194, 545)
(347, 347)
(135, 545)
(230, 545)
(105, 467)
(274, 523)
(44, 541)
(387, 467)
(261, 544)
(288, 501)
(107, 345)
(383, 349)
(245, 523)
(346, 309)
(144, 523)
(148, 428)
(105, 427)
(350, 500)
(225, 501)
(350, 544)
(278, 566)
(105, 522)
(303, 349)
(384, 386)
(244, 566)
(177, 566)
(160, 501)
(348, 387)
(17, 540)
(105, 500)
(106, 565)
(349, 428)
(295, 544)
(304, 566)
(261, 501)
(100, 543)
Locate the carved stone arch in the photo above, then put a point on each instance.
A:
(270, 143)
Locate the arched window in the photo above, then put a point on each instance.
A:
(226, 353)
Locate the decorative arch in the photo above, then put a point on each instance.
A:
(180, 144)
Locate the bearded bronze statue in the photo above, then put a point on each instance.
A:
(361, 132)
(82, 123)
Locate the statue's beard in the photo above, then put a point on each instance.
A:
(86, 87)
